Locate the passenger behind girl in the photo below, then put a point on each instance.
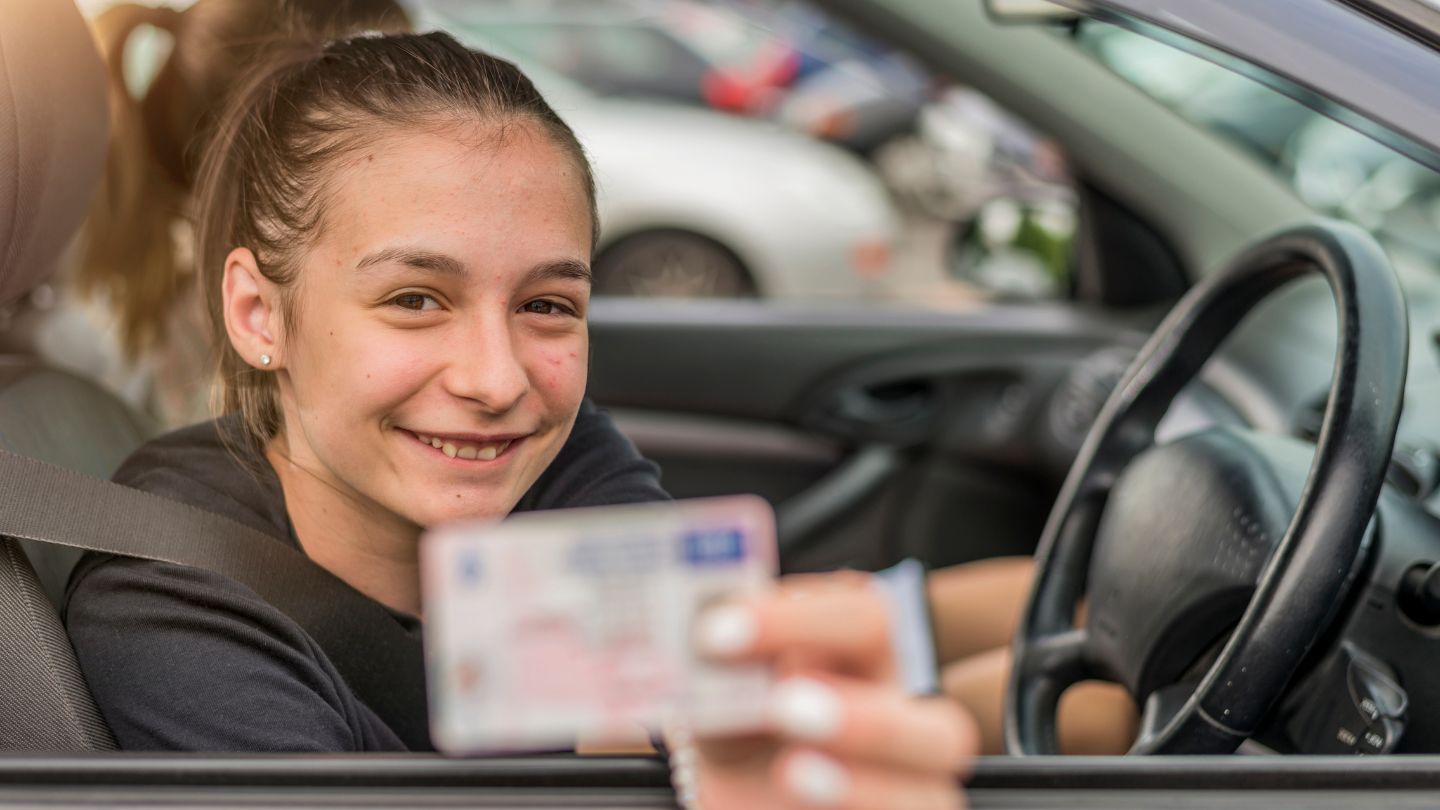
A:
(136, 266)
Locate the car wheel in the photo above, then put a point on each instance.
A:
(672, 264)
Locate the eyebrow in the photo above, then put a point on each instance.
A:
(413, 257)
(430, 261)
(563, 269)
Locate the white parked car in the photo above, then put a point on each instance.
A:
(696, 203)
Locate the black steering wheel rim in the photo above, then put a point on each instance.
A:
(1313, 562)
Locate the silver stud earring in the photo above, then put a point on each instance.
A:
(264, 359)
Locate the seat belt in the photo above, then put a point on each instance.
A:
(379, 660)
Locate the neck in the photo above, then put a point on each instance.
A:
(374, 551)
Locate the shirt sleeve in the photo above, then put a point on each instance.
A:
(598, 466)
(181, 659)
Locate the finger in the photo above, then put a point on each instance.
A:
(804, 585)
(849, 626)
(810, 778)
(875, 724)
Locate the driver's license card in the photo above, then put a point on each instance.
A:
(549, 626)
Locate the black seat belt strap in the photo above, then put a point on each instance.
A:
(377, 657)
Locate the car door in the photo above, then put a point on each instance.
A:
(878, 432)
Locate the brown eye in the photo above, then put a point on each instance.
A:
(540, 307)
(411, 301)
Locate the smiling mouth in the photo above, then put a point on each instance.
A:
(465, 449)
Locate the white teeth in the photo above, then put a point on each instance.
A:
(487, 452)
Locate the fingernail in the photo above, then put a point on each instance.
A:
(817, 779)
(807, 709)
(726, 630)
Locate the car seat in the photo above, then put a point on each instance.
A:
(53, 130)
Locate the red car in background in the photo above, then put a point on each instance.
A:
(671, 49)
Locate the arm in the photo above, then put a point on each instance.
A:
(976, 606)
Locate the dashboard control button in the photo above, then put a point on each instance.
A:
(1355, 705)
(1373, 688)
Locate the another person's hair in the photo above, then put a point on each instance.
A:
(136, 251)
(261, 184)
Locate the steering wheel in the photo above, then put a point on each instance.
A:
(1169, 545)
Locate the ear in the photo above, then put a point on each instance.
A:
(252, 310)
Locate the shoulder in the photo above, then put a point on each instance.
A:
(195, 465)
(182, 658)
(598, 466)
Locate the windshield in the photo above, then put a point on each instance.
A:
(1334, 169)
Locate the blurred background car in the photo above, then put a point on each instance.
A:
(848, 89)
(780, 60)
(986, 210)
(688, 52)
(696, 203)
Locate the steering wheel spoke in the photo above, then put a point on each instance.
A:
(1063, 656)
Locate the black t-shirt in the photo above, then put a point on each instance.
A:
(183, 659)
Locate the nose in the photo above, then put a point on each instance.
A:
(486, 368)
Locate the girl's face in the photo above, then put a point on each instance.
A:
(438, 353)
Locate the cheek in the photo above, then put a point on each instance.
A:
(562, 370)
(362, 368)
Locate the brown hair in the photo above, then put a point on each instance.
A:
(135, 246)
(262, 182)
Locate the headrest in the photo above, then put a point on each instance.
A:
(53, 135)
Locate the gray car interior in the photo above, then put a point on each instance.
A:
(52, 146)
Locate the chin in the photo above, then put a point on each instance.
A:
(458, 509)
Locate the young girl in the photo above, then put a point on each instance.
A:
(394, 238)
(139, 238)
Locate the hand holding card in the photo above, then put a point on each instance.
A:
(843, 733)
(549, 627)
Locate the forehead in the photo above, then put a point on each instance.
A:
(499, 194)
